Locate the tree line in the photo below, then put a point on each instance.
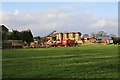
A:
(16, 35)
(99, 34)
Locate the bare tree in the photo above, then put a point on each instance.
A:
(93, 35)
(112, 35)
(101, 34)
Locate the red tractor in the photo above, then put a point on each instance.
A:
(66, 42)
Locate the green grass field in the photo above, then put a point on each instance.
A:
(61, 62)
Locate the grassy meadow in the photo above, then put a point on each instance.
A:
(61, 62)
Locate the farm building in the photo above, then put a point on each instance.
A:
(104, 39)
(84, 38)
(3, 34)
(97, 40)
(92, 39)
(4, 28)
(3, 31)
(75, 35)
(13, 44)
(66, 35)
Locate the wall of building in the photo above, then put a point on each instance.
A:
(77, 37)
(105, 39)
(71, 35)
(64, 35)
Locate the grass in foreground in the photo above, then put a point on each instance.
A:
(61, 62)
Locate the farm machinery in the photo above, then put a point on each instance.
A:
(49, 41)
(64, 42)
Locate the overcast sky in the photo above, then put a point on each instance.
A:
(44, 17)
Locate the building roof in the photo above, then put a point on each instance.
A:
(84, 37)
(4, 28)
(103, 37)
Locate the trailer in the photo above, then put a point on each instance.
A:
(66, 42)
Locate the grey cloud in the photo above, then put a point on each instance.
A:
(44, 21)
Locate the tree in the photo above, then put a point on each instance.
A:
(101, 34)
(37, 38)
(112, 35)
(14, 35)
(116, 40)
(23, 35)
(86, 35)
(27, 36)
(93, 35)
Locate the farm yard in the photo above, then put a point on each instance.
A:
(61, 62)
